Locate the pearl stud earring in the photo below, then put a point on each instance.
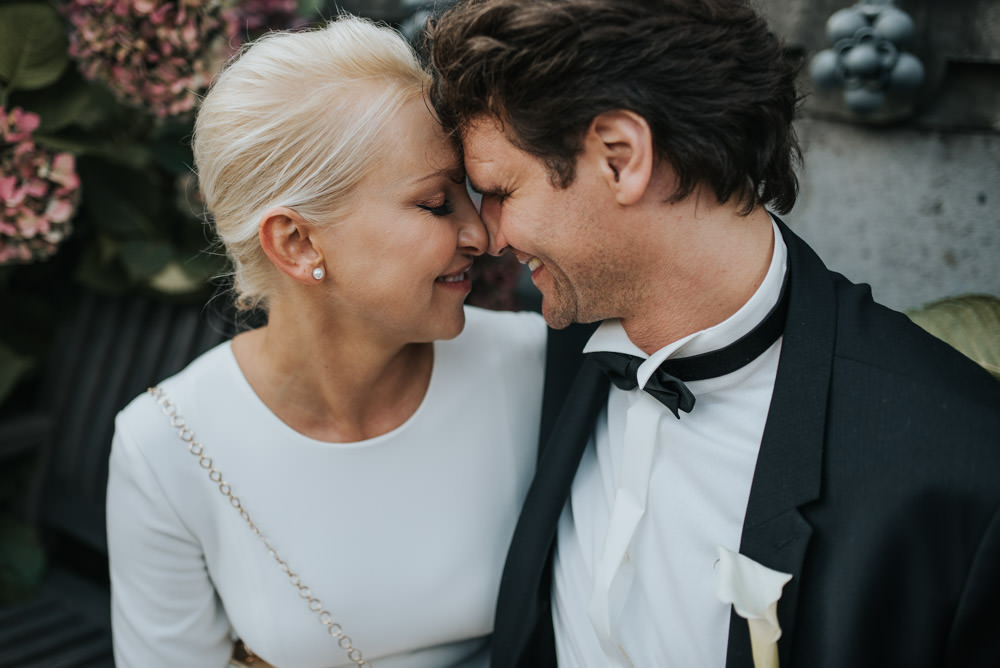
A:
(318, 273)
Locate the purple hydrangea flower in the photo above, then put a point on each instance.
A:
(161, 55)
(39, 192)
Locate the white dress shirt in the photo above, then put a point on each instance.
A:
(654, 496)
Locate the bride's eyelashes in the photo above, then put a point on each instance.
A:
(443, 209)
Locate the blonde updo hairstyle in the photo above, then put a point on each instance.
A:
(295, 120)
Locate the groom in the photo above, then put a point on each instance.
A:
(731, 394)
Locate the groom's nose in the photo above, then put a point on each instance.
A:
(490, 213)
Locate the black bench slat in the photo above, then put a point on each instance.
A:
(106, 352)
(41, 637)
(92, 651)
(22, 623)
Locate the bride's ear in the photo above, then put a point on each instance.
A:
(622, 143)
(285, 238)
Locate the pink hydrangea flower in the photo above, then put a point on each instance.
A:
(160, 55)
(39, 192)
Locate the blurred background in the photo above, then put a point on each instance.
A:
(103, 238)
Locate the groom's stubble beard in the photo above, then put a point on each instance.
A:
(599, 289)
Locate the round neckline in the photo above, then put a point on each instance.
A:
(264, 410)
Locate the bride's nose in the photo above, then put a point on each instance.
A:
(472, 238)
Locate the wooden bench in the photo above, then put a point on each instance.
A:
(107, 352)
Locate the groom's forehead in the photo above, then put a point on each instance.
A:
(488, 148)
(484, 150)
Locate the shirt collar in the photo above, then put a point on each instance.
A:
(611, 336)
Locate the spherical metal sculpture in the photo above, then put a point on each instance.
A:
(868, 59)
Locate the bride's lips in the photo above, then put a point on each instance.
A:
(458, 280)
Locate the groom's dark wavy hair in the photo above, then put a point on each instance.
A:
(710, 78)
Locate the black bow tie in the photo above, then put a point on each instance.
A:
(666, 384)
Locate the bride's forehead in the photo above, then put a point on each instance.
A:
(423, 144)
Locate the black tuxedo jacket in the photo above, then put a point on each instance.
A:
(877, 487)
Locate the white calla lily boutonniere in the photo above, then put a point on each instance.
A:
(753, 590)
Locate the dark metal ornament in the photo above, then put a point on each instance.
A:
(869, 60)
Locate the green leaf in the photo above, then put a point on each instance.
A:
(174, 280)
(72, 101)
(311, 7)
(32, 46)
(206, 265)
(13, 368)
(118, 216)
(103, 274)
(970, 324)
(172, 149)
(31, 308)
(144, 259)
(22, 560)
(129, 154)
(121, 203)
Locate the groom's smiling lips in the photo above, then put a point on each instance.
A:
(533, 262)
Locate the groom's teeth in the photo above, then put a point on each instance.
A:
(534, 263)
(455, 278)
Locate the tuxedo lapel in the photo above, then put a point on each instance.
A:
(522, 606)
(789, 465)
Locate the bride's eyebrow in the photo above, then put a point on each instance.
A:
(438, 173)
(455, 172)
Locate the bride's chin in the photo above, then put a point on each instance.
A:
(454, 327)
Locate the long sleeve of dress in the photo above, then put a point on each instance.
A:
(164, 609)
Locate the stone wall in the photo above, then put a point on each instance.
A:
(910, 205)
(914, 213)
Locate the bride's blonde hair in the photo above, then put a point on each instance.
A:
(295, 120)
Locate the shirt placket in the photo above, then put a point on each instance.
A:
(614, 570)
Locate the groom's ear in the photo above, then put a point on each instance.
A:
(623, 144)
(285, 238)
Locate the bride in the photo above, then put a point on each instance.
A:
(338, 487)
